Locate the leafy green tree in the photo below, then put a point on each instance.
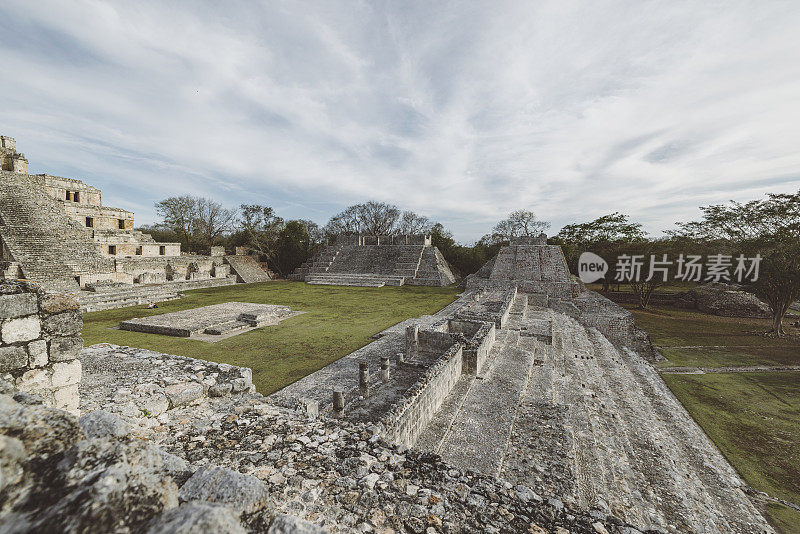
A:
(294, 246)
(179, 214)
(769, 228)
(607, 236)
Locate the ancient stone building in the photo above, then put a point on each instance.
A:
(56, 232)
(376, 261)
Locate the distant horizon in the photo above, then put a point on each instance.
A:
(459, 112)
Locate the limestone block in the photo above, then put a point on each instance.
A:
(66, 373)
(12, 358)
(37, 353)
(13, 306)
(153, 404)
(197, 517)
(240, 384)
(22, 329)
(243, 493)
(65, 348)
(33, 380)
(67, 398)
(287, 524)
(67, 323)
(52, 304)
(184, 393)
(103, 424)
(220, 390)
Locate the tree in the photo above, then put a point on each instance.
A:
(768, 227)
(519, 223)
(294, 246)
(180, 215)
(653, 254)
(413, 224)
(371, 218)
(212, 219)
(259, 230)
(346, 222)
(607, 236)
(378, 218)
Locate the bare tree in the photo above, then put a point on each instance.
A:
(372, 218)
(378, 218)
(213, 219)
(180, 215)
(519, 223)
(411, 224)
(346, 222)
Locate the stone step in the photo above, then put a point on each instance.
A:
(227, 328)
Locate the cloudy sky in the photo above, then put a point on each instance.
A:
(462, 111)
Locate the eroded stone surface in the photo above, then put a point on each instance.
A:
(209, 323)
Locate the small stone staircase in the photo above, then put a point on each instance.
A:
(354, 279)
(320, 263)
(408, 263)
(247, 269)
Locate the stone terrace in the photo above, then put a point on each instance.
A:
(211, 322)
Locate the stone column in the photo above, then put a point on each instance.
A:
(412, 340)
(338, 403)
(400, 358)
(363, 378)
(385, 369)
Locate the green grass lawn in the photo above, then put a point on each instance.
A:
(754, 418)
(338, 321)
(674, 329)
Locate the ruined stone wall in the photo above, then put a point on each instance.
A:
(70, 190)
(480, 337)
(417, 406)
(10, 159)
(175, 268)
(100, 217)
(616, 323)
(39, 343)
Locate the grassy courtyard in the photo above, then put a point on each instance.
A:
(754, 418)
(338, 321)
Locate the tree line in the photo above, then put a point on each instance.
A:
(768, 228)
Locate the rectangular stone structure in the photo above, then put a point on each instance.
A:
(217, 319)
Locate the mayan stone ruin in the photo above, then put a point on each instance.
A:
(56, 232)
(527, 404)
(376, 261)
(211, 323)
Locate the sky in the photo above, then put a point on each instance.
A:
(460, 111)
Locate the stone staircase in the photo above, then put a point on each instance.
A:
(353, 279)
(408, 263)
(376, 265)
(429, 272)
(247, 269)
(140, 295)
(51, 248)
(320, 263)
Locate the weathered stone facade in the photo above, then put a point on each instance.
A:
(39, 344)
(56, 232)
(376, 261)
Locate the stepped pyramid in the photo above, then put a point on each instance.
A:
(50, 247)
(376, 261)
(56, 232)
(529, 264)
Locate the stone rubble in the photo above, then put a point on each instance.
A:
(242, 464)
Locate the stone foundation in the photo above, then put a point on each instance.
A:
(39, 344)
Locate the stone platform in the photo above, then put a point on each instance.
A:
(211, 323)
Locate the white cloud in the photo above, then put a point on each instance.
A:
(462, 111)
